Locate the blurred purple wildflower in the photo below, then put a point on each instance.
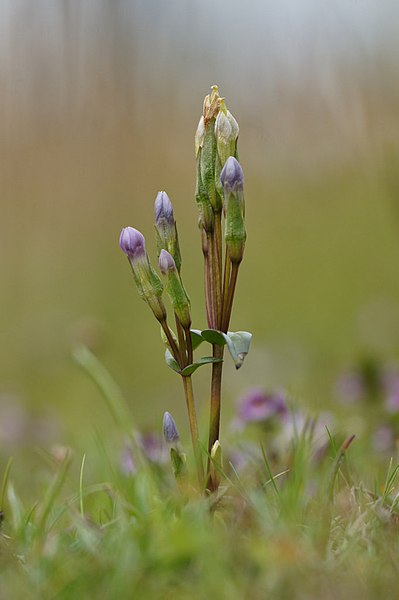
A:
(383, 439)
(390, 382)
(152, 447)
(350, 387)
(260, 406)
(127, 463)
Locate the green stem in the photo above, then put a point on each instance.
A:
(205, 251)
(189, 345)
(215, 246)
(211, 279)
(226, 283)
(182, 343)
(192, 417)
(216, 389)
(217, 272)
(230, 296)
(173, 346)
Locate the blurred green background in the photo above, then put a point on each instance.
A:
(99, 104)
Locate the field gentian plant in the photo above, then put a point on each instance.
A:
(219, 194)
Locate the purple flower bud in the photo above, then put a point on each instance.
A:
(163, 209)
(232, 176)
(170, 432)
(166, 262)
(132, 243)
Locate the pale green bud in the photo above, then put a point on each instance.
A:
(226, 132)
(199, 135)
(216, 464)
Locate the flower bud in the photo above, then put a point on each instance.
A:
(170, 432)
(226, 132)
(166, 262)
(175, 289)
(232, 179)
(132, 243)
(199, 135)
(163, 210)
(148, 284)
(232, 176)
(178, 460)
(165, 227)
(216, 465)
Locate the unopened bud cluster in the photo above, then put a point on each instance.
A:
(219, 175)
(215, 140)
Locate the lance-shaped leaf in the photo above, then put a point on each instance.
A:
(205, 360)
(213, 336)
(171, 362)
(196, 338)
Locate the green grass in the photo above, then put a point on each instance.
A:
(294, 526)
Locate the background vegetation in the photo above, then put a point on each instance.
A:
(99, 105)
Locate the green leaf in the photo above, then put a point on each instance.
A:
(213, 336)
(205, 360)
(171, 362)
(238, 344)
(196, 338)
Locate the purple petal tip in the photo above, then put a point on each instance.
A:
(232, 176)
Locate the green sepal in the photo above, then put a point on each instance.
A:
(207, 217)
(178, 461)
(178, 297)
(205, 360)
(234, 225)
(207, 165)
(167, 239)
